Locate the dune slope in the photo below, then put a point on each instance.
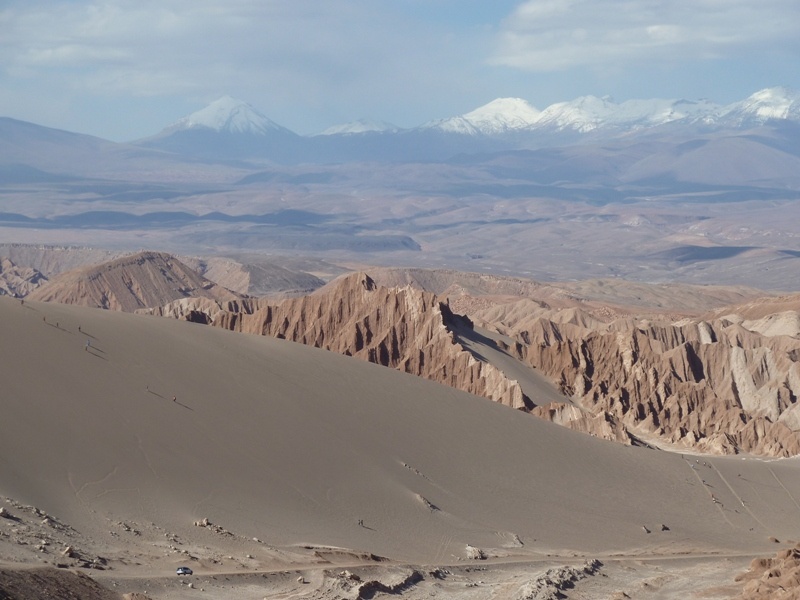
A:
(295, 446)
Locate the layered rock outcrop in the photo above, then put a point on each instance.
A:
(402, 328)
(713, 386)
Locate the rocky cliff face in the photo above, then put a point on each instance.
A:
(713, 386)
(402, 328)
(133, 282)
(18, 281)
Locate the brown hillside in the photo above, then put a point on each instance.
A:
(130, 283)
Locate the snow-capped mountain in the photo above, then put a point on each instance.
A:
(229, 128)
(590, 113)
(499, 116)
(582, 115)
(361, 126)
(769, 104)
(228, 115)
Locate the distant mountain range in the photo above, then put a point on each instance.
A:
(232, 129)
(590, 140)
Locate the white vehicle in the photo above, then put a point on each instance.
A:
(183, 571)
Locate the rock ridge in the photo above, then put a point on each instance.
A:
(402, 328)
(712, 386)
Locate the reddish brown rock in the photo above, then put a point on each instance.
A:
(402, 328)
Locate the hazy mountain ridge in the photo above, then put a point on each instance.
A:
(504, 123)
(504, 115)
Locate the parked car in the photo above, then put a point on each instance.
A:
(184, 571)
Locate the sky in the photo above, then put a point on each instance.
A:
(125, 69)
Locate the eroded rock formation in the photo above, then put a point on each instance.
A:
(711, 385)
(777, 577)
(18, 281)
(402, 328)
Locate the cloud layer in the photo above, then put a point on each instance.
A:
(555, 35)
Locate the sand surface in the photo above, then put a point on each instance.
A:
(302, 459)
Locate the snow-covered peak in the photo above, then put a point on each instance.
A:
(453, 125)
(498, 116)
(590, 113)
(361, 126)
(582, 114)
(503, 114)
(764, 105)
(229, 115)
(648, 113)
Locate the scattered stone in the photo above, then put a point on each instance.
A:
(553, 582)
(474, 553)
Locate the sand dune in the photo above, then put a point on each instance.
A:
(294, 446)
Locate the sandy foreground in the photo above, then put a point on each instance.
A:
(299, 463)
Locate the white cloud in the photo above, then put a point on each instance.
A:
(272, 53)
(199, 40)
(555, 35)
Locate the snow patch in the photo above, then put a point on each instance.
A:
(229, 115)
(361, 126)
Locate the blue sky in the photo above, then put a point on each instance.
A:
(124, 69)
